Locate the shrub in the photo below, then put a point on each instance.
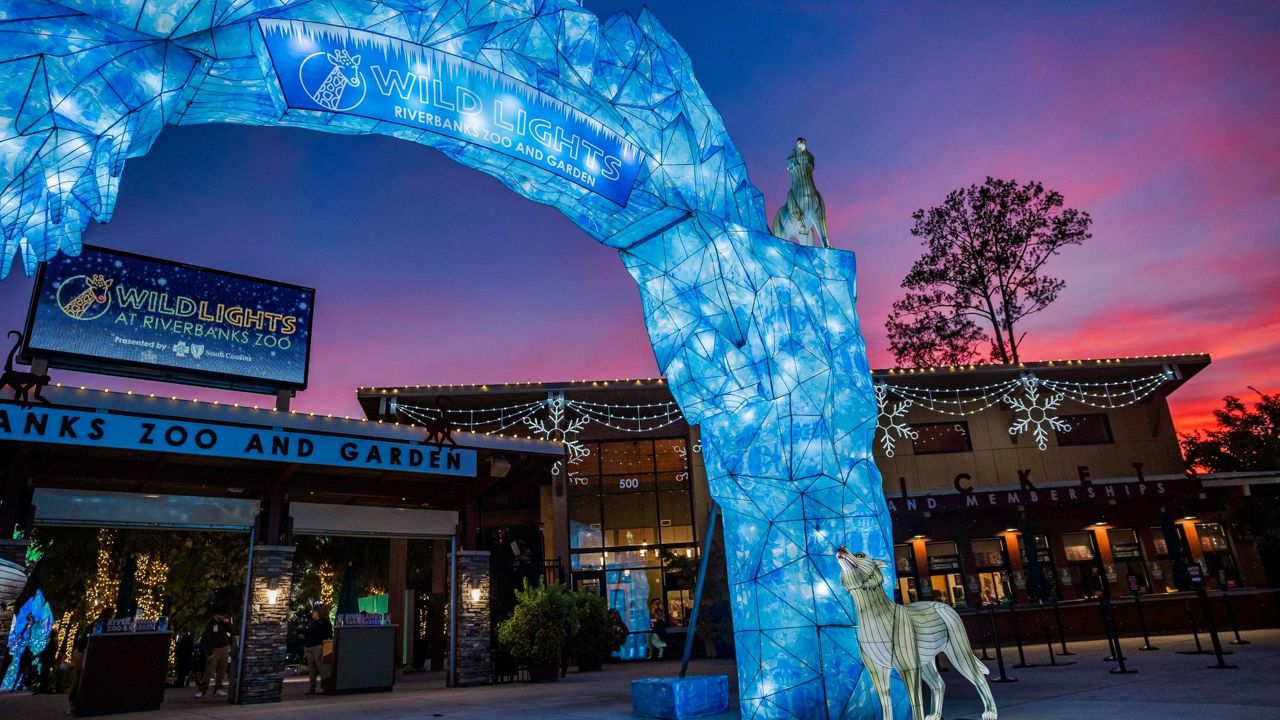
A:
(600, 630)
(539, 626)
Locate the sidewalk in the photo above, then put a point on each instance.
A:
(1167, 686)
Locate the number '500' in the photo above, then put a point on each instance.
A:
(629, 483)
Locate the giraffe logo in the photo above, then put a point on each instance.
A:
(326, 78)
(79, 294)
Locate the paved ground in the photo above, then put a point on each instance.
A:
(1168, 686)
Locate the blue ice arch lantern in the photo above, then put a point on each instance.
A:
(604, 121)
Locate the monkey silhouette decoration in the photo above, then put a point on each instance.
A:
(22, 382)
(803, 218)
(437, 428)
(908, 638)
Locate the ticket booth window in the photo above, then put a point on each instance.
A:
(904, 563)
(1161, 575)
(991, 563)
(1081, 571)
(946, 574)
(1126, 554)
(1048, 568)
(1220, 566)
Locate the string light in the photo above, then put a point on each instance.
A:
(1020, 394)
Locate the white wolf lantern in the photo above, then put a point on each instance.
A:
(908, 638)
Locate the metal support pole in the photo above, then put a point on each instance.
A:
(697, 593)
(1017, 636)
(1048, 639)
(995, 638)
(1213, 629)
(1062, 638)
(1195, 634)
(244, 611)
(451, 679)
(982, 642)
(1231, 618)
(1142, 623)
(1114, 636)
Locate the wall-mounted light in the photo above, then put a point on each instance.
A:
(475, 595)
(273, 588)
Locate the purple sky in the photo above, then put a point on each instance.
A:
(1158, 118)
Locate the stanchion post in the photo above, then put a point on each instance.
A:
(1142, 623)
(1017, 636)
(1195, 633)
(1231, 618)
(1048, 638)
(995, 639)
(1062, 637)
(1213, 629)
(1109, 619)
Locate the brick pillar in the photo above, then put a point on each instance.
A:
(473, 662)
(262, 669)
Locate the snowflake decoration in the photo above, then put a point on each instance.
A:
(1037, 412)
(557, 427)
(891, 420)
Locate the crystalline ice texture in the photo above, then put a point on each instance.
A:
(757, 336)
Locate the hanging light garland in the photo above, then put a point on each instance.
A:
(555, 418)
(1034, 401)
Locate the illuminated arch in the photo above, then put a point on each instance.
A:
(758, 337)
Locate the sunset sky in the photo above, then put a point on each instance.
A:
(1159, 119)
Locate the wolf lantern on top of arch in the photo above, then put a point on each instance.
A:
(757, 336)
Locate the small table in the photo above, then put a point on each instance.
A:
(123, 672)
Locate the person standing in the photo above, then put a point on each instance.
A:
(217, 640)
(318, 630)
(182, 656)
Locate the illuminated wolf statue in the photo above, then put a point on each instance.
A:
(757, 336)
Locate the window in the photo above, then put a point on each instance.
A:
(629, 507)
(988, 553)
(1092, 429)
(945, 579)
(993, 576)
(1077, 547)
(1047, 567)
(1126, 554)
(1212, 537)
(946, 437)
(905, 564)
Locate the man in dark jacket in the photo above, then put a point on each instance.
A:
(318, 630)
(217, 638)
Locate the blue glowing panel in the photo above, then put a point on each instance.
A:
(335, 69)
(30, 631)
(758, 337)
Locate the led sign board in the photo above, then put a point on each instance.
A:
(354, 72)
(141, 432)
(122, 314)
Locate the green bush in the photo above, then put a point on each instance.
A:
(540, 625)
(600, 630)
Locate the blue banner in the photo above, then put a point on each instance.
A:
(142, 432)
(124, 314)
(339, 70)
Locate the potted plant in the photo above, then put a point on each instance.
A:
(538, 629)
(600, 630)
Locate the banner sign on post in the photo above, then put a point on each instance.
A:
(123, 314)
(354, 72)
(141, 432)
